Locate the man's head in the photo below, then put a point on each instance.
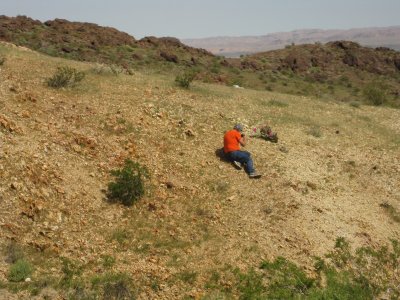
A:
(238, 127)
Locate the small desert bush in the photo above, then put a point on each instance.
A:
(2, 60)
(374, 95)
(315, 131)
(128, 186)
(120, 235)
(355, 104)
(113, 286)
(250, 285)
(185, 79)
(188, 276)
(287, 279)
(277, 103)
(65, 77)
(72, 272)
(19, 271)
(108, 261)
(102, 69)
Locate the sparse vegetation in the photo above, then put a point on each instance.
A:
(355, 104)
(300, 75)
(374, 95)
(277, 103)
(103, 69)
(72, 272)
(287, 280)
(185, 79)
(128, 186)
(342, 274)
(315, 131)
(65, 77)
(121, 236)
(198, 214)
(113, 286)
(365, 274)
(188, 276)
(20, 270)
(108, 261)
(2, 59)
(250, 285)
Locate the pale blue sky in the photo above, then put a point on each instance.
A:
(209, 18)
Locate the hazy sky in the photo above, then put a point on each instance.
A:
(208, 18)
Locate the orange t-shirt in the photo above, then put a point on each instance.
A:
(231, 141)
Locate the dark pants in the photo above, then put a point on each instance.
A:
(244, 158)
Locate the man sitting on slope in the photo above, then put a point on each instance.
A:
(233, 139)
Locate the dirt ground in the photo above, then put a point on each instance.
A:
(327, 177)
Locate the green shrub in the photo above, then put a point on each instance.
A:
(216, 68)
(355, 104)
(117, 290)
(188, 276)
(286, 279)
(111, 69)
(72, 272)
(128, 186)
(250, 285)
(113, 286)
(108, 261)
(273, 78)
(315, 131)
(344, 79)
(375, 95)
(120, 235)
(342, 285)
(101, 69)
(269, 88)
(19, 271)
(2, 60)
(277, 103)
(65, 77)
(236, 80)
(341, 254)
(184, 80)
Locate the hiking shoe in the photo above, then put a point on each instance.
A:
(237, 165)
(254, 175)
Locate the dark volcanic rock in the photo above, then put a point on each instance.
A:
(169, 57)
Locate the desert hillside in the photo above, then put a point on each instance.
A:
(341, 69)
(202, 226)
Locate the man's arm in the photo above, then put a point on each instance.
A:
(242, 140)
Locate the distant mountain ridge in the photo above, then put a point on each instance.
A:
(235, 46)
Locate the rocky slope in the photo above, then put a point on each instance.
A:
(331, 175)
(90, 42)
(341, 69)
